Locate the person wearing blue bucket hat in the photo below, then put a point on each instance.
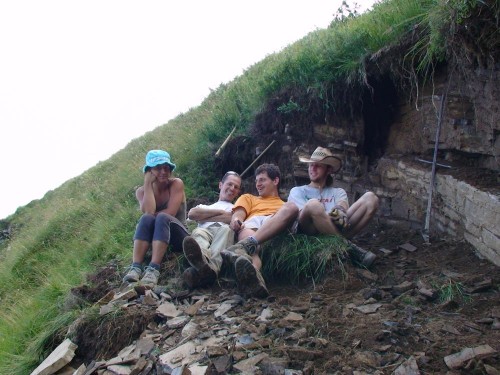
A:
(157, 157)
(163, 202)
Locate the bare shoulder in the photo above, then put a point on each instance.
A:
(176, 180)
(177, 183)
(139, 192)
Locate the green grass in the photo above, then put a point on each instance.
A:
(300, 257)
(453, 291)
(90, 219)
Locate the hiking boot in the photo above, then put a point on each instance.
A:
(229, 257)
(250, 278)
(194, 278)
(244, 247)
(151, 276)
(133, 275)
(193, 253)
(361, 256)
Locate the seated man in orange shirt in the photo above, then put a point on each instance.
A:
(257, 219)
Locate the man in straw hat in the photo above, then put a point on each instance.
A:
(324, 209)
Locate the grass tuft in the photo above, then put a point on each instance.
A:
(453, 291)
(298, 257)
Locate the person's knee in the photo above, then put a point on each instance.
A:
(372, 201)
(163, 218)
(313, 207)
(289, 210)
(147, 219)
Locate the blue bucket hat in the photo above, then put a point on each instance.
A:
(157, 157)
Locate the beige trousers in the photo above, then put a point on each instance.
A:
(212, 240)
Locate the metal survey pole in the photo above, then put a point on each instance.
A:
(425, 233)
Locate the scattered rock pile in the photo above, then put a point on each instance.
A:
(387, 320)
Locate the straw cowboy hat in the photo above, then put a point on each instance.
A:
(323, 156)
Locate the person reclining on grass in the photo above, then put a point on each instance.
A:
(257, 219)
(163, 203)
(325, 209)
(213, 234)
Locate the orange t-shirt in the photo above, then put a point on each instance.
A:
(258, 206)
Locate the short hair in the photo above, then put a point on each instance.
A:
(230, 173)
(272, 170)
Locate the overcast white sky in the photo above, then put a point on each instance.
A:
(80, 79)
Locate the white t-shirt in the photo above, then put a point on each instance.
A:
(219, 205)
(329, 196)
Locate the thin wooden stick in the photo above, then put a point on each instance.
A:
(225, 142)
(257, 158)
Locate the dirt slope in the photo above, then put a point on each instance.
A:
(372, 322)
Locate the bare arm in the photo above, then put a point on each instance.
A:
(201, 215)
(145, 194)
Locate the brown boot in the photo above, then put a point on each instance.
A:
(192, 252)
(361, 256)
(250, 278)
(232, 253)
(194, 278)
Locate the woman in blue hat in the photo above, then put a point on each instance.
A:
(163, 202)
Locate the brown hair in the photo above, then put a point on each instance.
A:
(272, 170)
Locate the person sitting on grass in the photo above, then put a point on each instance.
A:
(257, 219)
(213, 234)
(163, 202)
(324, 209)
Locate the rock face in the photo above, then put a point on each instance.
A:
(387, 146)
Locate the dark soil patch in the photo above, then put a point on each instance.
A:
(98, 284)
(102, 337)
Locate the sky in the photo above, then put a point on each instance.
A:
(80, 79)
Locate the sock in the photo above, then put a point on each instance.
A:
(138, 265)
(253, 240)
(155, 266)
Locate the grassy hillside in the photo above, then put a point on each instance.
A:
(89, 221)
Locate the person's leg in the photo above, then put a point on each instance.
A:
(143, 237)
(203, 251)
(276, 224)
(361, 212)
(313, 219)
(271, 227)
(196, 248)
(168, 230)
(246, 248)
(203, 237)
(142, 240)
(161, 238)
(223, 237)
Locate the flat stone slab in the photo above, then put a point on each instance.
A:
(60, 357)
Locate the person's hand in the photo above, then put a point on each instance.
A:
(339, 217)
(236, 225)
(149, 178)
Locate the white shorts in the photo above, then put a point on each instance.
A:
(255, 222)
